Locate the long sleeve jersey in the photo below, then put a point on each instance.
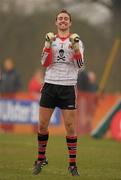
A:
(64, 66)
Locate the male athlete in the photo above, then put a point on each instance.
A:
(62, 56)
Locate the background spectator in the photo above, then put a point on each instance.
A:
(92, 87)
(87, 85)
(10, 80)
(83, 81)
(36, 82)
(87, 81)
(0, 73)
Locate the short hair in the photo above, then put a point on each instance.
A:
(66, 12)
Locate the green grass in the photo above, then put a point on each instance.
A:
(97, 159)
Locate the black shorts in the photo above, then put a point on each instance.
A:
(58, 96)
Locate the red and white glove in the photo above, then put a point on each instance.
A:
(74, 39)
(50, 37)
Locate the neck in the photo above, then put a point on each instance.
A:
(63, 33)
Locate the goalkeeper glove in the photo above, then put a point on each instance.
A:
(74, 39)
(50, 37)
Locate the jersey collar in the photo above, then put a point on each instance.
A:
(63, 38)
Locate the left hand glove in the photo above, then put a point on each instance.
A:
(74, 39)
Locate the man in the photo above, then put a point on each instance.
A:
(62, 57)
(10, 79)
(0, 73)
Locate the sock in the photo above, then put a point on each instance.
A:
(72, 149)
(42, 143)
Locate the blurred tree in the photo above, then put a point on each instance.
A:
(22, 35)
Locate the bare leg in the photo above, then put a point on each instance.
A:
(43, 135)
(70, 122)
(71, 139)
(44, 119)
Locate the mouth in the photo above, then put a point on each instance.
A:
(63, 23)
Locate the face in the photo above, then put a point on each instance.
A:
(8, 64)
(63, 22)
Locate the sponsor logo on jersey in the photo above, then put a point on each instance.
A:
(71, 106)
(54, 45)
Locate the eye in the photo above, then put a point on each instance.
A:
(66, 18)
(60, 18)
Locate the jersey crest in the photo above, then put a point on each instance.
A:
(61, 55)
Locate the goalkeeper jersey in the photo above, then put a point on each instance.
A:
(64, 66)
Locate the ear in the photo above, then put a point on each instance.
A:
(56, 23)
(70, 24)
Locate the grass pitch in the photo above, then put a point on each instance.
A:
(97, 159)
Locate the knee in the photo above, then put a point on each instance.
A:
(42, 127)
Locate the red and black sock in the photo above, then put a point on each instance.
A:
(72, 149)
(42, 143)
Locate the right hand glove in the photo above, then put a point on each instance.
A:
(50, 37)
